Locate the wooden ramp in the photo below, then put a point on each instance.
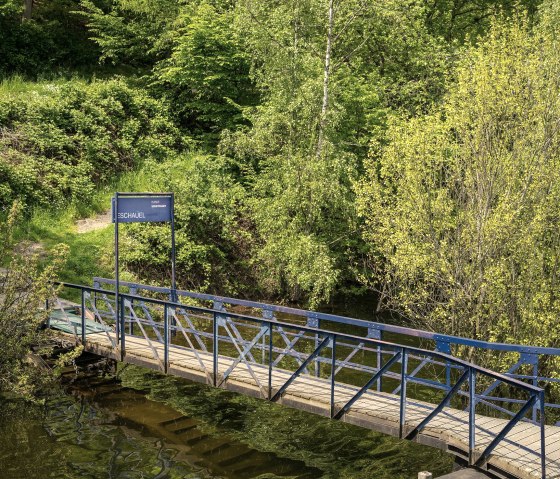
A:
(515, 456)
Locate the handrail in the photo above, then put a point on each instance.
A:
(419, 333)
(527, 356)
(376, 342)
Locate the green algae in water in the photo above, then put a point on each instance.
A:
(337, 449)
(155, 426)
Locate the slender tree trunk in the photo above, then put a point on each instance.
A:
(28, 9)
(325, 106)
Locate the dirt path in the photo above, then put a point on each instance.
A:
(97, 222)
(30, 248)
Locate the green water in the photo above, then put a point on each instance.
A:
(151, 426)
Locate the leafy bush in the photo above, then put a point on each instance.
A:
(57, 144)
(462, 206)
(24, 287)
(212, 230)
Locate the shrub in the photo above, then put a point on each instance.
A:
(56, 144)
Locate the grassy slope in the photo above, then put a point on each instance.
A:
(91, 254)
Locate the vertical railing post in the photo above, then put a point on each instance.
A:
(266, 314)
(215, 348)
(270, 360)
(472, 414)
(314, 323)
(165, 338)
(543, 435)
(404, 367)
(317, 362)
(117, 319)
(333, 370)
(131, 290)
(375, 333)
(535, 382)
(379, 364)
(121, 320)
(83, 318)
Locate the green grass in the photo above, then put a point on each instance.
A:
(16, 86)
(91, 254)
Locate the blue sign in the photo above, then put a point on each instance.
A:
(143, 209)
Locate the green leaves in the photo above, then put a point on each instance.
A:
(24, 287)
(462, 205)
(130, 32)
(58, 145)
(207, 73)
(213, 230)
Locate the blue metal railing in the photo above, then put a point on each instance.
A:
(219, 333)
(531, 357)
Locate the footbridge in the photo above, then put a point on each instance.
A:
(404, 382)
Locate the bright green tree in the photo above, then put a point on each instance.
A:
(206, 76)
(461, 208)
(328, 73)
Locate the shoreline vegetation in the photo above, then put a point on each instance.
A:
(316, 148)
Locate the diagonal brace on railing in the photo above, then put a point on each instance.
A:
(135, 317)
(97, 315)
(289, 347)
(151, 321)
(179, 325)
(303, 366)
(412, 434)
(251, 345)
(349, 357)
(236, 333)
(493, 386)
(242, 358)
(508, 427)
(193, 329)
(367, 385)
(417, 369)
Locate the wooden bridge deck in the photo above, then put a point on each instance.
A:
(517, 455)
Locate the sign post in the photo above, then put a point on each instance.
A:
(142, 208)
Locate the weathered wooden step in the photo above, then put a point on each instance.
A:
(232, 456)
(211, 446)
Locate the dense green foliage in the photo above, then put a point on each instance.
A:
(51, 38)
(214, 241)
(462, 206)
(314, 146)
(58, 142)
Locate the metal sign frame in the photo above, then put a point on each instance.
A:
(115, 217)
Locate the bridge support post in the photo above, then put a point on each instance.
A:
(472, 415)
(165, 338)
(333, 371)
(120, 308)
(270, 361)
(215, 349)
(404, 368)
(83, 318)
(543, 433)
